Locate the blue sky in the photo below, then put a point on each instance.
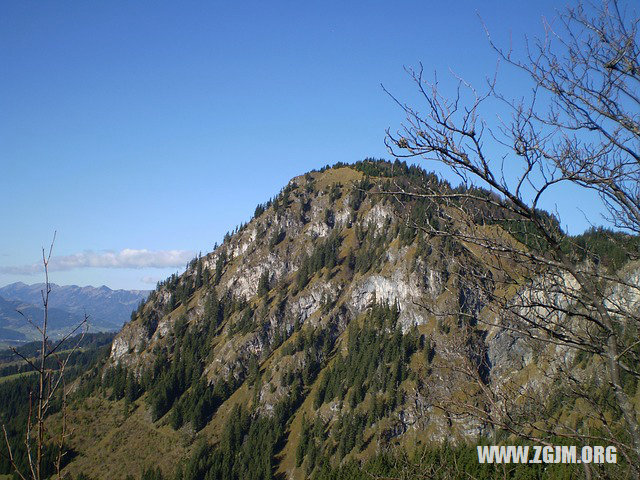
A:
(143, 131)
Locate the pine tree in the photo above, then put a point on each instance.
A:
(263, 284)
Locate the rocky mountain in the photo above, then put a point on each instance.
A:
(318, 334)
(107, 309)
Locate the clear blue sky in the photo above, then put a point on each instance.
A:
(141, 130)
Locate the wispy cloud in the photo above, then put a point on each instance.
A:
(150, 280)
(127, 258)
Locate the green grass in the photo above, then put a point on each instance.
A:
(15, 376)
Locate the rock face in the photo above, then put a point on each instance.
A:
(330, 296)
(400, 276)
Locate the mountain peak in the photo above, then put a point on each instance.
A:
(321, 331)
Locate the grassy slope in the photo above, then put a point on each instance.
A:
(106, 435)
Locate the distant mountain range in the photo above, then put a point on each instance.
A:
(107, 309)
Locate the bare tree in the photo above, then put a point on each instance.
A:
(50, 384)
(579, 125)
